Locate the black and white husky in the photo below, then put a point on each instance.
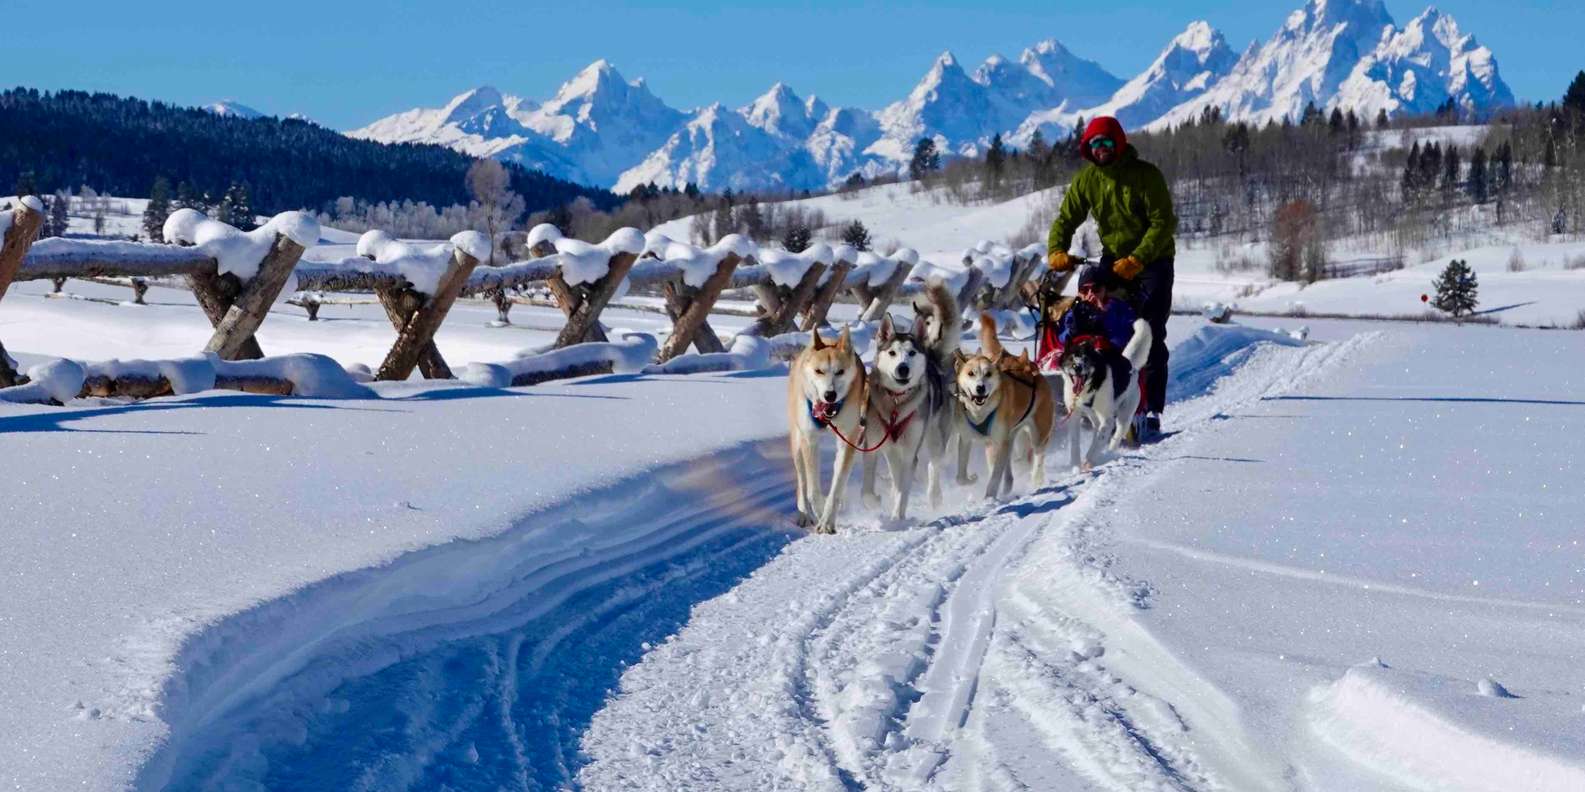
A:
(1094, 389)
(909, 401)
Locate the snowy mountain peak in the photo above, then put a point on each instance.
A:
(1199, 36)
(469, 104)
(227, 107)
(781, 112)
(601, 128)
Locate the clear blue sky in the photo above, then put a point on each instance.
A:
(346, 62)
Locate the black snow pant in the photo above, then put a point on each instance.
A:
(1152, 300)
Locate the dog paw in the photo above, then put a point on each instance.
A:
(969, 479)
(804, 520)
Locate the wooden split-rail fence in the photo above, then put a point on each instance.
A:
(236, 308)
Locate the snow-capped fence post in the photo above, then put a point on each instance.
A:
(1023, 264)
(821, 305)
(20, 232)
(56, 284)
(583, 311)
(971, 288)
(415, 340)
(689, 309)
(140, 287)
(400, 303)
(782, 317)
(243, 317)
(215, 293)
(21, 229)
(881, 299)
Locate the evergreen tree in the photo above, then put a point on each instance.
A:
(1574, 97)
(996, 158)
(797, 238)
(1411, 173)
(1450, 171)
(1381, 119)
(1504, 177)
(1456, 289)
(857, 235)
(1335, 123)
(1479, 187)
(59, 218)
(926, 159)
(158, 209)
(854, 181)
(1312, 115)
(1549, 158)
(1038, 148)
(241, 215)
(1430, 164)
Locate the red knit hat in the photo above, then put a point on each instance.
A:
(1102, 126)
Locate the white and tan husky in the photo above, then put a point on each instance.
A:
(908, 403)
(825, 388)
(1004, 399)
(1092, 391)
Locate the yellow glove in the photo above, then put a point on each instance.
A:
(1128, 268)
(1059, 261)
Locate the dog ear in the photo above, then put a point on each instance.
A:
(815, 341)
(887, 331)
(921, 328)
(845, 341)
(958, 358)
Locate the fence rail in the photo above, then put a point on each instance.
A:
(236, 276)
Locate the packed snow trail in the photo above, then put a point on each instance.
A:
(492, 692)
(931, 655)
(946, 655)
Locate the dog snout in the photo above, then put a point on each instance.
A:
(979, 390)
(831, 396)
(902, 371)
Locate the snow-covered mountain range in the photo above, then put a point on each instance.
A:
(604, 129)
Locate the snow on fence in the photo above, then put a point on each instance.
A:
(236, 276)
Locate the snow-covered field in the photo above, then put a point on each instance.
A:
(1321, 581)
(1354, 565)
(1547, 291)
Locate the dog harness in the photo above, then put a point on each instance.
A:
(822, 415)
(984, 427)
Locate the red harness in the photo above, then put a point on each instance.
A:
(894, 429)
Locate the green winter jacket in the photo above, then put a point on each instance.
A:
(1132, 208)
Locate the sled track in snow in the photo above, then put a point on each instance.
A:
(936, 656)
(490, 686)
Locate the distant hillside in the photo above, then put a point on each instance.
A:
(119, 145)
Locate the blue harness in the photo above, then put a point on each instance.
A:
(983, 428)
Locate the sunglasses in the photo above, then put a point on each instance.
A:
(1102, 142)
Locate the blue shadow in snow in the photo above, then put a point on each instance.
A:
(1434, 399)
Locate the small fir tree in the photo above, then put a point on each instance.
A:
(996, 158)
(1456, 290)
(1479, 185)
(58, 217)
(158, 209)
(926, 159)
(857, 235)
(797, 238)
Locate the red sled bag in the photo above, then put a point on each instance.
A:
(1048, 349)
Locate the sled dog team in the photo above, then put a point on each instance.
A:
(922, 390)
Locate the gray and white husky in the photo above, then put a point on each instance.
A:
(908, 401)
